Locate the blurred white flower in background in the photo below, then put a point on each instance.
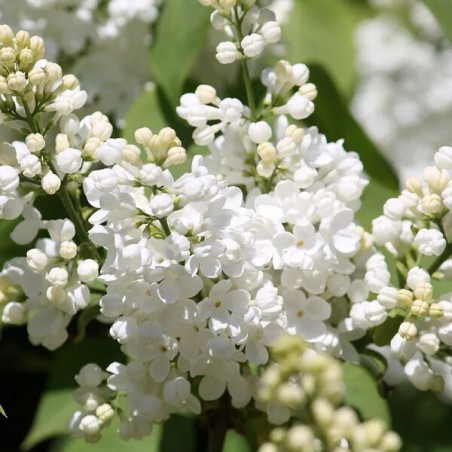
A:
(404, 98)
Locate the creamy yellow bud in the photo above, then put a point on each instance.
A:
(37, 47)
(37, 76)
(167, 136)
(436, 310)
(22, 39)
(323, 411)
(424, 291)
(308, 90)
(413, 184)
(266, 152)
(206, 94)
(7, 56)
(290, 395)
(407, 330)
(35, 142)
(61, 142)
(294, 132)
(70, 81)
(26, 58)
(131, 154)
(4, 85)
(390, 442)
(175, 156)
(143, 136)
(405, 297)
(419, 308)
(6, 35)
(105, 412)
(17, 81)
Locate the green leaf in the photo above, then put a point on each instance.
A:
(333, 118)
(384, 333)
(110, 441)
(234, 442)
(362, 394)
(54, 411)
(184, 440)
(57, 404)
(2, 411)
(179, 36)
(442, 10)
(323, 31)
(144, 112)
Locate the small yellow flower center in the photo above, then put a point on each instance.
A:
(300, 243)
(217, 303)
(300, 314)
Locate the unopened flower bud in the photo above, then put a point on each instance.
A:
(436, 310)
(56, 295)
(206, 94)
(413, 184)
(14, 313)
(259, 132)
(26, 58)
(37, 76)
(88, 270)
(68, 250)
(7, 56)
(37, 260)
(407, 330)
(308, 90)
(37, 46)
(271, 32)
(70, 81)
(90, 425)
(51, 183)
(6, 35)
(58, 276)
(17, 81)
(175, 156)
(105, 413)
(424, 291)
(419, 308)
(143, 136)
(294, 132)
(227, 52)
(35, 142)
(22, 39)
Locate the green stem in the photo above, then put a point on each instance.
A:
(165, 226)
(75, 216)
(440, 259)
(245, 69)
(73, 208)
(29, 117)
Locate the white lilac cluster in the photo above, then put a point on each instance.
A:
(91, 37)
(310, 386)
(199, 275)
(200, 283)
(404, 103)
(416, 230)
(249, 28)
(51, 285)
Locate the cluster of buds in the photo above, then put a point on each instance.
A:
(162, 148)
(309, 386)
(249, 28)
(30, 85)
(94, 397)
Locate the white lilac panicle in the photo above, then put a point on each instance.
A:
(93, 38)
(404, 103)
(250, 29)
(50, 289)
